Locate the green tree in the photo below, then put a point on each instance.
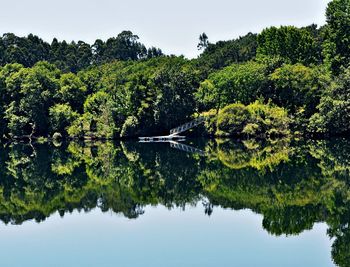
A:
(124, 47)
(203, 41)
(5, 94)
(61, 116)
(174, 103)
(237, 83)
(224, 53)
(337, 43)
(72, 91)
(297, 87)
(97, 120)
(294, 45)
(31, 95)
(333, 111)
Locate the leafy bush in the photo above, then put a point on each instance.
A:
(333, 115)
(256, 119)
(232, 119)
(80, 127)
(61, 116)
(209, 127)
(130, 127)
(99, 108)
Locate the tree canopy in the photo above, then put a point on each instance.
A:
(73, 56)
(120, 88)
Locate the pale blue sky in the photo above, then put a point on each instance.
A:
(173, 26)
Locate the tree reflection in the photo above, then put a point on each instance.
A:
(293, 184)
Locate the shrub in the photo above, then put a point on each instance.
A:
(80, 127)
(99, 108)
(232, 119)
(333, 115)
(61, 116)
(208, 128)
(256, 119)
(130, 127)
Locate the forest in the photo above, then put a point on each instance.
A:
(280, 82)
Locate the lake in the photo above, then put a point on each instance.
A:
(195, 203)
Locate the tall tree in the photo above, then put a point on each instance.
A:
(224, 53)
(337, 44)
(30, 94)
(292, 44)
(203, 41)
(333, 116)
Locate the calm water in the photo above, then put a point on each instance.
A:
(205, 203)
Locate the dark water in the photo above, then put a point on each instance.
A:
(206, 203)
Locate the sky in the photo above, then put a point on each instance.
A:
(173, 26)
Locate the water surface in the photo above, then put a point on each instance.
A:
(203, 203)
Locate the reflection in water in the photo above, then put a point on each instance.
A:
(186, 148)
(292, 184)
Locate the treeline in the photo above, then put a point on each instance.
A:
(74, 56)
(125, 98)
(285, 80)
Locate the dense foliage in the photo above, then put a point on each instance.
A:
(255, 120)
(224, 53)
(72, 56)
(337, 43)
(235, 83)
(292, 44)
(334, 108)
(118, 88)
